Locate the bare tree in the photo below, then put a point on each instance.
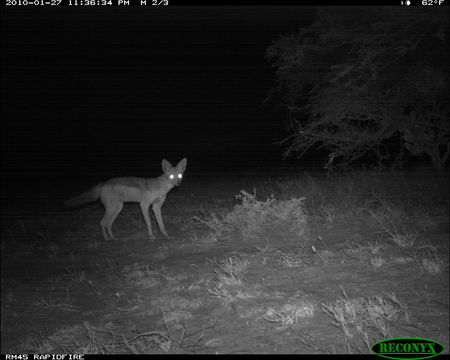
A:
(346, 81)
(425, 123)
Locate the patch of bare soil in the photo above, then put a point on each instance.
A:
(270, 295)
(355, 268)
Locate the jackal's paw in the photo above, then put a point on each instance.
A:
(151, 237)
(167, 236)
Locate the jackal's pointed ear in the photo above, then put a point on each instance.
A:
(166, 165)
(182, 165)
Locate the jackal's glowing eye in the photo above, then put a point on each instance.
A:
(171, 177)
(180, 176)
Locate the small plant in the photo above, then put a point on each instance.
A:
(51, 303)
(218, 226)
(295, 257)
(385, 216)
(378, 261)
(231, 270)
(403, 240)
(253, 217)
(290, 313)
(424, 296)
(229, 274)
(362, 251)
(356, 316)
(430, 262)
(355, 250)
(375, 247)
(141, 275)
(222, 292)
(37, 345)
(329, 212)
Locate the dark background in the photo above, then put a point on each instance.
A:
(92, 93)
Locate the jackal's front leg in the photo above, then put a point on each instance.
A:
(157, 210)
(144, 209)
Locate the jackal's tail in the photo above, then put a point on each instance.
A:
(84, 198)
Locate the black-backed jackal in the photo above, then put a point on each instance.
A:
(114, 192)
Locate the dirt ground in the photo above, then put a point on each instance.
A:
(64, 289)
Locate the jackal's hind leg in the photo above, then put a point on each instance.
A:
(112, 209)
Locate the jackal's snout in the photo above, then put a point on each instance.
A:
(176, 178)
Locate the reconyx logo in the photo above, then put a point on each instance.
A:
(407, 348)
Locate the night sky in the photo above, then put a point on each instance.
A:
(102, 92)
